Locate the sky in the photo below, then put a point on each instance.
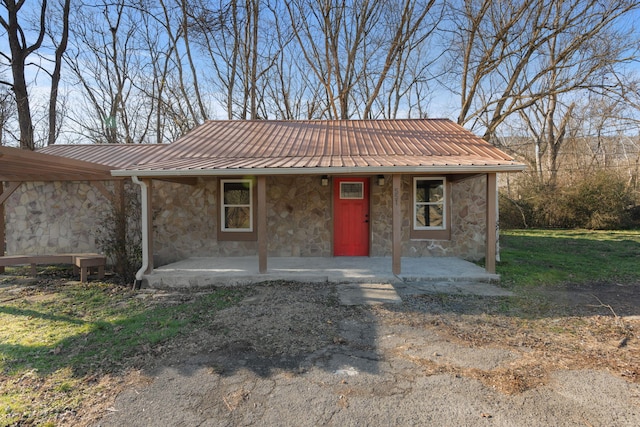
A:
(443, 104)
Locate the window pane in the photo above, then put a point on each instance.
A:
(237, 217)
(429, 204)
(434, 219)
(236, 193)
(435, 216)
(351, 190)
(421, 219)
(422, 189)
(429, 191)
(436, 191)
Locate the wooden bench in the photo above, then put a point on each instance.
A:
(86, 262)
(82, 263)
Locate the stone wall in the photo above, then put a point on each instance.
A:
(54, 217)
(185, 220)
(65, 216)
(299, 216)
(299, 220)
(468, 219)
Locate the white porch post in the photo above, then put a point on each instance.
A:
(491, 238)
(396, 245)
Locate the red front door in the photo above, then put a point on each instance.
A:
(351, 217)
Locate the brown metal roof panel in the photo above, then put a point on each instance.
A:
(275, 140)
(172, 164)
(114, 155)
(371, 139)
(380, 145)
(279, 141)
(302, 133)
(311, 133)
(16, 163)
(193, 143)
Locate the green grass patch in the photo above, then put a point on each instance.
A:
(551, 257)
(53, 338)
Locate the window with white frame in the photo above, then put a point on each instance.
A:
(237, 205)
(430, 207)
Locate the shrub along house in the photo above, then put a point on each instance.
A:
(383, 188)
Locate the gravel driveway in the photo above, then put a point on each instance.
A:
(305, 355)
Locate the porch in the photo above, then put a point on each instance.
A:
(232, 271)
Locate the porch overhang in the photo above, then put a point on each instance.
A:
(348, 170)
(262, 245)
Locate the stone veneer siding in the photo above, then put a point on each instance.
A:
(468, 219)
(54, 217)
(185, 220)
(64, 216)
(299, 213)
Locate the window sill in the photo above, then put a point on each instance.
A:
(430, 235)
(237, 236)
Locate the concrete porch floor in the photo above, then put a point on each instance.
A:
(230, 271)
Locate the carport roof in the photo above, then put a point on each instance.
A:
(24, 165)
(73, 162)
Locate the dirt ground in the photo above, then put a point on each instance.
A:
(291, 354)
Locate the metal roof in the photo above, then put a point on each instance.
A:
(325, 146)
(25, 165)
(270, 148)
(116, 156)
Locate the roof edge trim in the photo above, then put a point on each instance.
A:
(516, 167)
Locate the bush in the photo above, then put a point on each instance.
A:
(120, 236)
(514, 213)
(601, 200)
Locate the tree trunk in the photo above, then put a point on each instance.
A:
(55, 76)
(19, 53)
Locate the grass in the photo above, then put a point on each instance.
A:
(552, 257)
(54, 340)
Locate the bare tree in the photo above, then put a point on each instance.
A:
(502, 53)
(56, 74)
(184, 7)
(217, 31)
(331, 35)
(173, 86)
(548, 133)
(356, 50)
(7, 113)
(20, 49)
(175, 19)
(103, 62)
(241, 40)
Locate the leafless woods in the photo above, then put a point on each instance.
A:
(532, 76)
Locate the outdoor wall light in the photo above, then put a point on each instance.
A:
(380, 180)
(324, 181)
